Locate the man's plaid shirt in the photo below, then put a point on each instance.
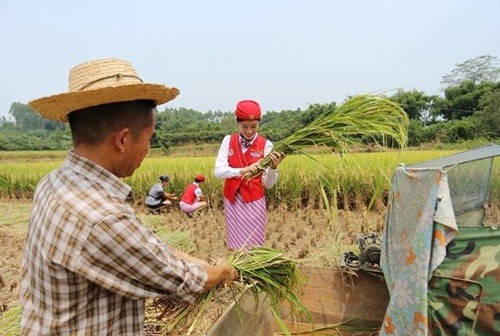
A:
(89, 263)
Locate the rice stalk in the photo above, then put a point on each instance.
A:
(261, 270)
(328, 187)
(343, 325)
(10, 320)
(335, 245)
(268, 270)
(360, 116)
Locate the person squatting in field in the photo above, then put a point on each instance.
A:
(192, 199)
(157, 198)
(244, 200)
(89, 263)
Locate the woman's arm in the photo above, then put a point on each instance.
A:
(222, 168)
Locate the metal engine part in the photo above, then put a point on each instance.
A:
(369, 256)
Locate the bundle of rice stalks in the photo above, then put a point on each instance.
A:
(166, 316)
(360, 116)
(261, 270)
(267, 270)
(10, 320)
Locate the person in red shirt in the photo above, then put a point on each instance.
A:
(244, 201)
(192, 199)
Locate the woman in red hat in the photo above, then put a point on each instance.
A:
(244, 201)
(192, 198)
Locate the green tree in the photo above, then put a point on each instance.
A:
(418, 105)
(6, 124)
(316, 110)
(477, 70)
(277, 125)
(27, 119)
(463, 100)
(489, 115)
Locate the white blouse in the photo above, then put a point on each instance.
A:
(224, 171)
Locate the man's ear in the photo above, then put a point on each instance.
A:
(122, 139)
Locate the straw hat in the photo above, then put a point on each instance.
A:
(98, 82)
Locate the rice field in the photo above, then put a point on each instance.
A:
(310, 216)
(356, 181)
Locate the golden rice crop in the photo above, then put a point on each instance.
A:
(339, 129)
(356, 180)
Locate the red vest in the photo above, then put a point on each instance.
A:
(251, 190)
(189, 196)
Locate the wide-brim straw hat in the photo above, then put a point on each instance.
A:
(97, 82)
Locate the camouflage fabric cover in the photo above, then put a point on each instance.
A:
(464, 293)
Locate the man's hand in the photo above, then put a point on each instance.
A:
(229, 273)
(221, 273)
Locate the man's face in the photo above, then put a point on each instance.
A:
(137, 150)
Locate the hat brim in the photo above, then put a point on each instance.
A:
(57, 107)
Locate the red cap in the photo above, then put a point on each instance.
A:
(248, 110)
(200, 178)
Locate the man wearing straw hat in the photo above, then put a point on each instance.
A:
(89, 263)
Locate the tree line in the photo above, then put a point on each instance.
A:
(469, 109)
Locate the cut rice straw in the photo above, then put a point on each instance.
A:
(261, 270)
(269, 271)
(360, 116)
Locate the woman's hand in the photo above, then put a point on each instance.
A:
(276, 159)
(253, 168)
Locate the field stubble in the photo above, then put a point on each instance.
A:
(311, 236)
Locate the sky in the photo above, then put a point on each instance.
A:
(286, 54)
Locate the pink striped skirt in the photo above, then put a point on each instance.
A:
(189, 208)
(245, 223)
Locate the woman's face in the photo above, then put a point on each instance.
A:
(248, 128)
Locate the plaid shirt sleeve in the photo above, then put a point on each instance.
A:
(128, 259)
(89, 263)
